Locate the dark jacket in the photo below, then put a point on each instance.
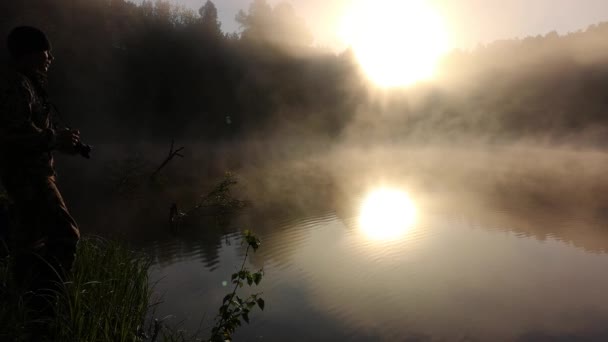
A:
(26, 131)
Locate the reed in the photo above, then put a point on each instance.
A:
(106, 298)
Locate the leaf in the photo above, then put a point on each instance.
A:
(236, 322)
(246, 318)
(257, 277)
(261, 303)
(227, 298)
(249, 279)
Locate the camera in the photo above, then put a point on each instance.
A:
(84, 150)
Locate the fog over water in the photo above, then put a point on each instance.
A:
(508, 243)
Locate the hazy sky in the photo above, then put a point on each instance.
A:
(469, 21)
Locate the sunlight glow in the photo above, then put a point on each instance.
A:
(387, 214)
(397, 42)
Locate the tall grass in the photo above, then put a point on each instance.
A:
(106, 298)
(13, 312)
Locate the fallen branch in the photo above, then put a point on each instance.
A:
(172, 154)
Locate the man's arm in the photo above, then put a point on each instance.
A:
(17, 130)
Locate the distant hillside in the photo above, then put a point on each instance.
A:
(552, 88)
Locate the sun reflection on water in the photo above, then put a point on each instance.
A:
(387, 214)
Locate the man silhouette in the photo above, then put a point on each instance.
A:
(43, 234)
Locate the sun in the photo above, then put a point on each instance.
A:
(396, 42)
(386, 214)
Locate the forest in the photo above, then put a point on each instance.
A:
(153, 71)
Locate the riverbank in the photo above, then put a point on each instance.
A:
(106, 299)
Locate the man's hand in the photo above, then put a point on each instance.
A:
(67, 140)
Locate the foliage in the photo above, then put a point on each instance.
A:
(106, 299)
(235, 309)
(220, 200)
(209, 19)
(108, 296)
(13, 312)
(169, 71)
(221, 196)
(279, 25)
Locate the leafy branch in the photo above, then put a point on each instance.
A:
(221, 196)
(234, 308)
(220, 199)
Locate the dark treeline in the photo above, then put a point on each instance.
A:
(153, 71)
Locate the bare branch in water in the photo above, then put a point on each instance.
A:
(172, 154)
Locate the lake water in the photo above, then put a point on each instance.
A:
(512, 260)
(452, 276)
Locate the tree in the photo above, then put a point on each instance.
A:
(279, 25)
(209, 18)
(292, 28)
(257, 22)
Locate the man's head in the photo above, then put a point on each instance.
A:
(30, 49)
